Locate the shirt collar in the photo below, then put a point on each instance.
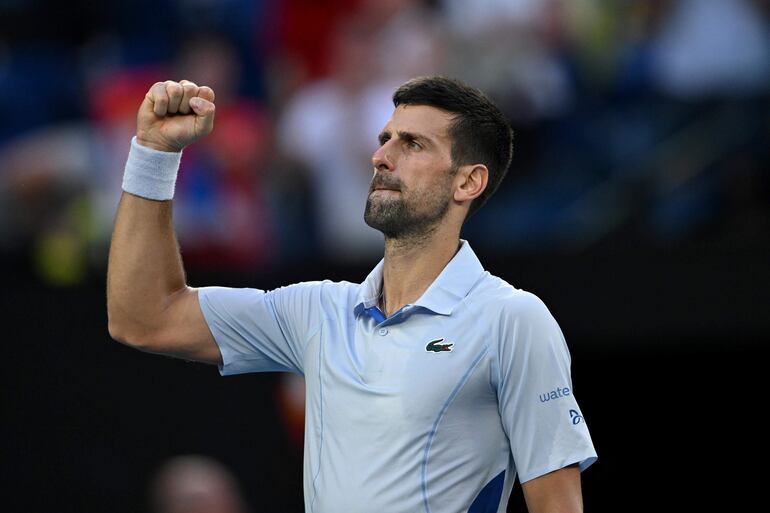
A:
(446, 291)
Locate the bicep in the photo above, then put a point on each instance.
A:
(185, 333)
(556, 492)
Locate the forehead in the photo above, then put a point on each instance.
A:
(421, 120)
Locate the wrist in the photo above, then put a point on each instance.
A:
(156, 146)
(151, 173)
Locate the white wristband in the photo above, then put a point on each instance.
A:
(151, 173)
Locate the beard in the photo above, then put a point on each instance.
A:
(403, 215)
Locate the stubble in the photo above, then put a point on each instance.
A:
(406, 215)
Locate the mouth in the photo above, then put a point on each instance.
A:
(384, 192)
(383, 188)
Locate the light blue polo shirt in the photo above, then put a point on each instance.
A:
(434, 409)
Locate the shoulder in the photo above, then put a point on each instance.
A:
(305, 292)
(519, 320)
(502, 299)
(324, 290)
(338, 291)
(329, 294)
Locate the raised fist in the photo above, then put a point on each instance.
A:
(174, 114)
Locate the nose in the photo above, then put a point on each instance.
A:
(381, 159)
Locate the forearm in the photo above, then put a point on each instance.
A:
(148, 304)
(144, 270)
(556, 492)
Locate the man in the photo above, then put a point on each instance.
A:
(431, 384)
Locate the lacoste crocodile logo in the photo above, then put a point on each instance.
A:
(437, 347)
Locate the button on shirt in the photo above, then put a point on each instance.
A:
(436, 408)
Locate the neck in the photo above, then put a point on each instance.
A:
(412, 264)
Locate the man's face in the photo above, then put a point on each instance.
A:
(411, 189)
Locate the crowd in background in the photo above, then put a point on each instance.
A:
(643, 117)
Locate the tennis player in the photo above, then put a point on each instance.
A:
(432, 384)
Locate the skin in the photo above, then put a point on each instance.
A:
(149, 305)
(415, 157)
(555, 492)
(418, 198)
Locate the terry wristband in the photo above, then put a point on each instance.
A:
(149, 173)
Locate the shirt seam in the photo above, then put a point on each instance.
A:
(442, 412)
(320, 406)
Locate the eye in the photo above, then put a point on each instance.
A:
(413, 145)
(383, 139)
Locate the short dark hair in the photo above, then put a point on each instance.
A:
(480, 133)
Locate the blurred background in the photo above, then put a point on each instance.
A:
(636, 208)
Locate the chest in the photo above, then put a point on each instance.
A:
(404, 372)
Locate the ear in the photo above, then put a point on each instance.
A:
(470, 182)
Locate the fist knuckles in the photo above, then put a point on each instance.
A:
(174, 114)
(171, 97)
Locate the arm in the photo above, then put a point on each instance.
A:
(555, 492)
(549, 443)
(149, 305)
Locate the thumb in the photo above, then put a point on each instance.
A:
(204, 111)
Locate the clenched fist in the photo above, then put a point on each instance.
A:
(174, 114)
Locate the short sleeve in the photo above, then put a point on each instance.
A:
(541, 417)
(259, 331)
